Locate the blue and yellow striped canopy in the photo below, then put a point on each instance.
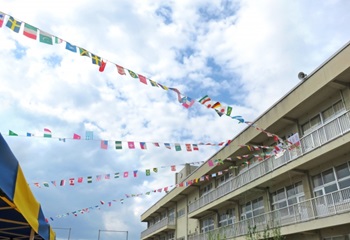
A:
(21, 215)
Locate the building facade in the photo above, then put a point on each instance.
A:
(297, 185)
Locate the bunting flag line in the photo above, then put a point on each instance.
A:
(44, 37)
(107, 176)
(143, 145)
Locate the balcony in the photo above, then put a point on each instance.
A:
(320, 207)
(165, 223)
(318, 137)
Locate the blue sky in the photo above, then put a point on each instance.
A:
(245, 54)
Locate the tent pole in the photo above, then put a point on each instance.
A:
(31, 235)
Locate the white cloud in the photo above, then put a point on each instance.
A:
(245, 54)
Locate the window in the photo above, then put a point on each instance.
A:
(171, 236)
(331, 180)
(227, 217)
(172, 214)
(207, 188)
(323, 117)
(252, 208)
(224, 178)
(284, 198)
(312, 124)
(207, 224)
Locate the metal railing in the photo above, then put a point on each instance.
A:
(155, 227)
(319, 207)
(318, 137)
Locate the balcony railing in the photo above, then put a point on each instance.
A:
(162, 223)
(318, 137)
(320, 207)
(326, 133)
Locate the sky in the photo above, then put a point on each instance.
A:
(243, 54)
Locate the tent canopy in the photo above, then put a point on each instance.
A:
(21, 216)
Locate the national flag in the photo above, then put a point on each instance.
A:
(120, 69)
(47, 133)
(160, 190)
(187, 102)
(143, 145)
(163, 86)
(63, 182)
(153, 83)
(118, 145)
(216, 106)
(102, 202)
(188, 147)
(155, 170)
(181, 184)
(166, 189)
(2, 18)
(45, 38)
(71, 181)
(195, 147)
(11, 133)
(173, 168)
(205, 99)
(98, 177)
(30, 134)
(227, 143)
(132, 74)
(89, 135)
(167, 145)
(62, 139)
(228, 110)
(30, 31)
(104, 144)
(219, 113)
(131, 145)
(58, 40)
(148, 172)
(126, 174)
(116, 175)
(107, 176)
(76, 136)
(84, 52)
(13, 24)
(239, 118)
(177, 147)
(102, 66)
(71, 47)
(95, 59)
(213, 175)
(37, 185)
(143, 79)
(89, 179)
(53, 183)
(210, 163)
(109, 204)
(80, 179)
(135, 173)
(156, 144)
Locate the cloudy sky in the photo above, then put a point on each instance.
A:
(243, 54)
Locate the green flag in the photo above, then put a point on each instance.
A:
(132, 74)
(118, 145)
(177, 147)
(12, 133)
(45, 38)
(229, 111)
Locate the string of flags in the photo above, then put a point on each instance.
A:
(294, 143)
(74, 181)
(165, 189)
(35, 33)
(118, 145)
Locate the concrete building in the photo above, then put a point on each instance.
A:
(299, 186)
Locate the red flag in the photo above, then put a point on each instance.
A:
(121, 70)
(195, 147)
(210, 163)
(173, 168)
(126, 174)
(188, 147)
(71, 181)
(80, 179)
(76, 136)
(131, 145)
(143, 79)
(102, 66)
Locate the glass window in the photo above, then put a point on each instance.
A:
(344, 184)
(328, 113)
(342, 171)
(317, 180)
(331, 188)
(328, 176)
